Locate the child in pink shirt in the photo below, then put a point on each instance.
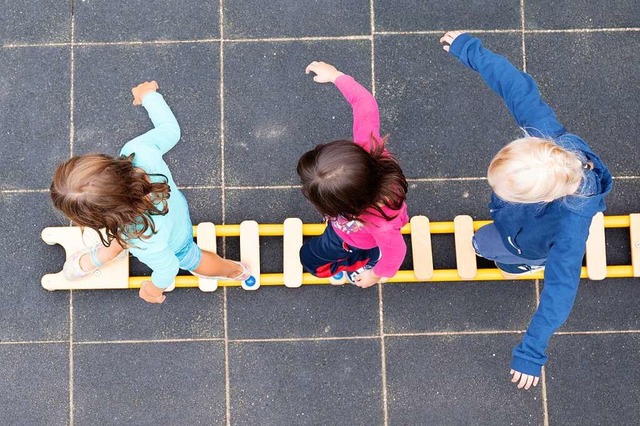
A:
(360, 189)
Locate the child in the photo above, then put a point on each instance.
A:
(360, 190)
(547, 187)
(136, 200)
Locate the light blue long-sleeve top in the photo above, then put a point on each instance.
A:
(174, 229)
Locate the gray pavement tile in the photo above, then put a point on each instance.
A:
(306, 383)
(269, 205)
(34, 92)
(623, 199)
(35, 384)
(283, 18)
(444, 200)
(593, 380)
(310, 311)
(539, 14)
(205, 205)
(454, 380)
(588, 80)
(417, 15)
(443, 119)
(149, 384)
(610, 304)
(35, 21)
(122, 315)
(274, 112)
(27, 311)
(457, 306)
(138, 20)
(188, 77)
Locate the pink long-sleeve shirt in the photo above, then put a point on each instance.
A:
(373, 230)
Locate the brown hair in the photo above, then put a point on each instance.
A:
(99, 191)
(342, 178)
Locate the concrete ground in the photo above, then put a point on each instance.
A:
(233, 72)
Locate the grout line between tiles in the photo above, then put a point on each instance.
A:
(319, 38)
(304, 339)
(522, 27)
(34, 342)
(223, 195)
(135, 341)
(543, 378)
(454, 333)
(383, 357)
(71, 150)
(543, 390)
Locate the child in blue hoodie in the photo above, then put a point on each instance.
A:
(547, 186)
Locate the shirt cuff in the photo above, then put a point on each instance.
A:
(525, 366)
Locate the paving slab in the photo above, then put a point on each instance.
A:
(587, 78)
(274, 112)
(35, 384)
(416, 15)
(27, 311)
(138, 20)
(35, 21)
(442, 119)
(458, 306)
(306, 383)
(605, 305)
(579, 14)
(149, 383)
(593, 379)
(188, 77)
(454, 380)
(34, 91)
(283, 18)
(310, 311)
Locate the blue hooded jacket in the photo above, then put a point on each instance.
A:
(557, 230)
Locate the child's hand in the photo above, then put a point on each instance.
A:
(325, 73)
(142, 89)
(447, 39)
(150, 293)
(366, 279)
(526, 380)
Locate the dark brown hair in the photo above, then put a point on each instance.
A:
(99, 191)
(342, 178)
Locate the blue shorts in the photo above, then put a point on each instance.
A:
(189, 255)
(488, 243)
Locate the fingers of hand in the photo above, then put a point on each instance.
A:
(535, 381)
(311, 67)
(515, 376)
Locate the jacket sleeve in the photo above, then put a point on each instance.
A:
(166, 132)
(561, 279)
(366, 117)
(518, 89)
(392, 252)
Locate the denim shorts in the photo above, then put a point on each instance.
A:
(189, 255)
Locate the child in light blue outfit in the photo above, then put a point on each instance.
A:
(135, 199)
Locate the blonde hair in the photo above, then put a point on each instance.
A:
(534, 170)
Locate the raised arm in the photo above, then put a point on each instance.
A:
(366, 118)
(166, 132)
(518, 89)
